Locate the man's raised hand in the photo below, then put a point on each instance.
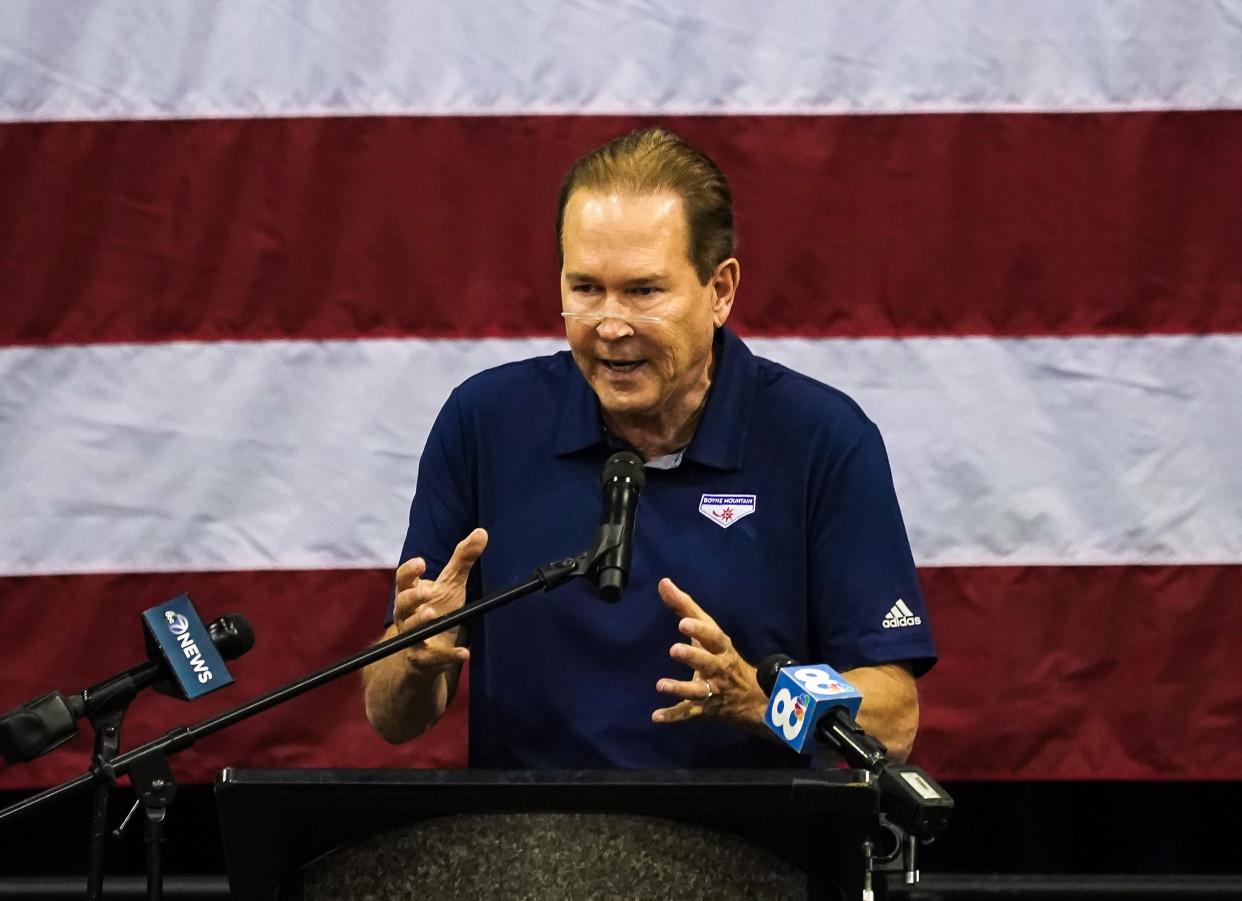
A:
(723, 684)
(420, 600)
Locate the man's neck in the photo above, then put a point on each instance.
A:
(666, 432)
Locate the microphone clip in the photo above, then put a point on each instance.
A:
(558, 572)
(587, 565)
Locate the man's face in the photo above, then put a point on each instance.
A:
(627, 255)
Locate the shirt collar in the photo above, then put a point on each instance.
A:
(720, 438)
(581, 425)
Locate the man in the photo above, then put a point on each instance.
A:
(768, 523)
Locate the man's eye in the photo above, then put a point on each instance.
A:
(644, 290)
(584, 289)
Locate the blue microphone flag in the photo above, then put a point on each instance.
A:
(177, 635)
(801, 696)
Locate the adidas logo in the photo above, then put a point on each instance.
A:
(901, 615)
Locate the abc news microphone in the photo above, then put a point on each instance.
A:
(185, 660)
(813, 705)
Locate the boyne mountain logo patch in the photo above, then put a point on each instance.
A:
(726, 509)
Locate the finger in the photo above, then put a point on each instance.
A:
(705, 633)
(432, 659)
(404, 605)
(421, 615)
(422, 595)
(464, 557)
(698, 659)
(686, 710)
(693, 690)
(410, 572)
(680, 602)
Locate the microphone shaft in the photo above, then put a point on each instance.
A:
(617, 531)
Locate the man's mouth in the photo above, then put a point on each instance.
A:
(621, 365)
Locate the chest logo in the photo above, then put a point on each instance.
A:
(726, 509)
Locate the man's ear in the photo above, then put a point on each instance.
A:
(723, 285)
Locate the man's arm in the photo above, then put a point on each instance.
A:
(890, 707)
(406, 693)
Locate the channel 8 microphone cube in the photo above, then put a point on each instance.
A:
(801, 695)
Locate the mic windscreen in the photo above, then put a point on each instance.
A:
(232, 635)
(35, 728)
(624, 466)
(771, 665)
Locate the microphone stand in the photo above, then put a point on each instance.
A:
(147, 765)
(106, 705)
(107, 725)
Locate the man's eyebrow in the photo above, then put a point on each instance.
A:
(652, 278)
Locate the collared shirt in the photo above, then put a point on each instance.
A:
(780, 520)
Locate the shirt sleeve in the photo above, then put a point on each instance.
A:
(866, 604)
(443, 510)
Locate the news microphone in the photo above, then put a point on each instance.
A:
(47, 722)
(623, 481)
(801, 696)
(190, 663)
(816, 701)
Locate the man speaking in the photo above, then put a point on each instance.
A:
(768, 522)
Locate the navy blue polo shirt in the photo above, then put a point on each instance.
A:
(780, 521)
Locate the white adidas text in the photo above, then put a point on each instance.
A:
(901, 615)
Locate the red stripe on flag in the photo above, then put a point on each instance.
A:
(1126, 672)
(998, 224)
(1045, 673)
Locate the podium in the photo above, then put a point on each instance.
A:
(324, 835)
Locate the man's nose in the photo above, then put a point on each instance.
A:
(613, 327)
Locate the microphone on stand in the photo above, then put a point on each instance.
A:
(814, 704)
(47, 722)
(623, 481)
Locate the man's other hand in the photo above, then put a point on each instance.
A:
(723, 684)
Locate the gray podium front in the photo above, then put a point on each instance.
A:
(438, 835)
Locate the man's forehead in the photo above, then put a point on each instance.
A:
(603, 224)
(614, 205)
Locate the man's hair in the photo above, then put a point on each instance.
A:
(652, 160)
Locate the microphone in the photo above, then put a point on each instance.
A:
(623, 481)
(817, 701)
(47, 722)
(802, 696)
(192, 664)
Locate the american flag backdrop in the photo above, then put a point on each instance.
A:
(247, 249)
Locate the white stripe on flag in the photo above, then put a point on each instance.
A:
(299, 454)
(132, 59)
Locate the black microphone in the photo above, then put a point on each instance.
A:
(908, 795)
(45, 723)
(623, 482)
(766, 672)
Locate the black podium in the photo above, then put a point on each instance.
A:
(323, 835)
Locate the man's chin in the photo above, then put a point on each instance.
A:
(619, 402)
